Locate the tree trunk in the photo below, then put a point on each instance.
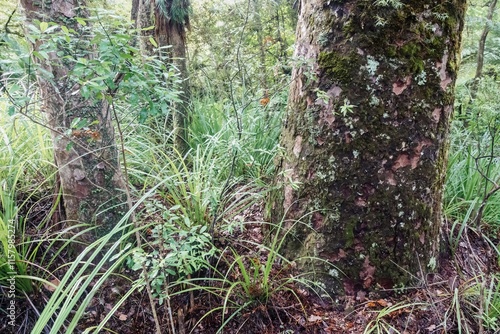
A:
(257, 27)
(480, 55)
(482, 40)
(366, 137)
(87, 159)
(170, 30)
(134, 11)
(145, 19)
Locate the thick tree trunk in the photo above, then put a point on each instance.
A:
(366, 137)
(89, 169)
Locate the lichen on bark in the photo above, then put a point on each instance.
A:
(370, 167)
(87, 161)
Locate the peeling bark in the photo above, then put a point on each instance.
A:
(366, 137)
(87, 161)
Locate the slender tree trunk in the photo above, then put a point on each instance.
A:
(480, 53)
(170, 24)
(134, 12)
(170, 31)
(366, 138)
(257, 27)
(87, 159)
(145, 19)
(482, 40)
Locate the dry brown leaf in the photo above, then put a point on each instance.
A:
(382, 302)
(53, 286)
(314, 318)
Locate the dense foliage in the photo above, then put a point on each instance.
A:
(189, 212)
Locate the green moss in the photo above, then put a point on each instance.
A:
(341, 68)
(412, 52)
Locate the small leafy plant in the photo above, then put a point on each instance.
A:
(177, 252)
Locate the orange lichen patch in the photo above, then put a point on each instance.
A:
(399, 86)
(327, 116)
(402, 161)
(264, 101)
(94, 135)
(367, 273)
(297, 148)
(423, 144)
(443, 75)
(436, 115)
(388, 177)
(445, 83)
(414, 161)
(411, 159)
(422, 238)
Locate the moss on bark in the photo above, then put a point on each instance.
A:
(87, 159)
(366, 138)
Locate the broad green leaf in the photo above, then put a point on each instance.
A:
(81, 21)
(43, 26)
(11, 111)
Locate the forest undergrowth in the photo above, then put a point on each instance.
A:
(196, 252)
(201, 218)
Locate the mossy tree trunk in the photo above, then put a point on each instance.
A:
(366, 137)
(171, 20)
(87, 158)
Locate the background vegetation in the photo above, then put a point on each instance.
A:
(192, 215)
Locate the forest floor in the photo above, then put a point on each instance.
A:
(435, 305)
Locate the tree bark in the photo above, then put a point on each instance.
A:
(170, 30)
(257, 27)
(145, 19)
(134, 11)
(87, 159)
(482, 40)
(365, 138)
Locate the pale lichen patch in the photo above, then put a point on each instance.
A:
(297, 147)
(402, 161)
(443, 74)
(436, 115)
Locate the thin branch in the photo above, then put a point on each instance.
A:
(134, 220)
